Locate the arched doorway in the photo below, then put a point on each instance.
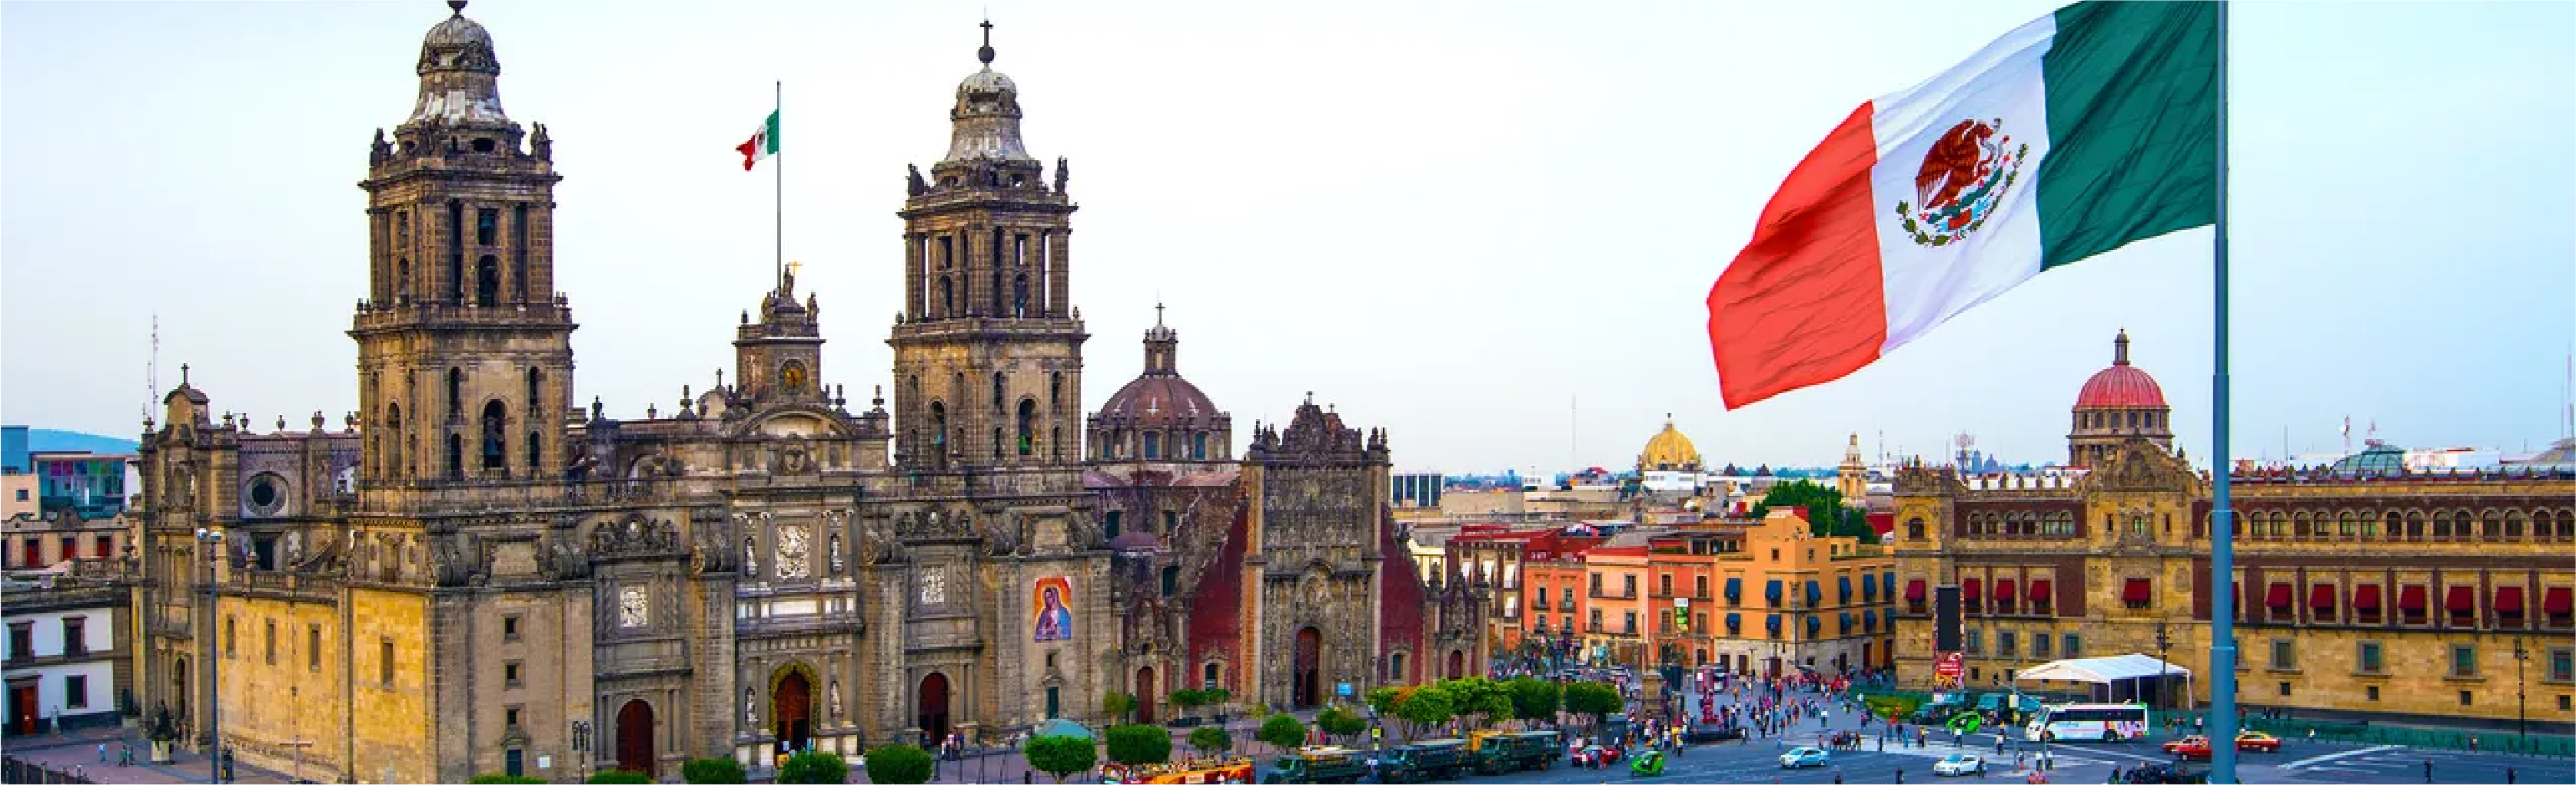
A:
(1457, 663)
(179, 692)
(635, 737)
(791, 703)
(934, 709)
(1145, 695)
(1305, 670)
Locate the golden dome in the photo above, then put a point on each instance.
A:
(1669, 451)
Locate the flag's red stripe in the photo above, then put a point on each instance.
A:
(1803, 303)
(750, 152)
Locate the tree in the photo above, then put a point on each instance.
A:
(620, 777)
(1137, 744)
(893, 763)
(713, 771)
(1534, 699)
(814, 766)
(1061, 755)
(1478, 697)
(1826, 515)
(1217, 696)
(1118, 704)
(1594, 698)
(1338, 721)
(1385, 699)
(1188, 700)
(1282, 731)
(1427, 707)
(1210, 738)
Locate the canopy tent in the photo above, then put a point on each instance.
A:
(1063, 727)
(2105, 670)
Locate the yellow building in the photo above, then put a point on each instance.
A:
(2361, 588)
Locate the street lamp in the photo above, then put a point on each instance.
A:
(2522, 724)
(2162, 666)
(581, 746)
(212, 542)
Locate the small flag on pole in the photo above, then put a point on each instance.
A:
(763, 144)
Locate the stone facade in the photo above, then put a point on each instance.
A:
(2115, 560)
(477, 573)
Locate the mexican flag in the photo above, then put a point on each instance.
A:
(2070, 136)
(763, 144)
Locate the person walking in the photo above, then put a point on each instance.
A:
(102, 752)
(2428, 770)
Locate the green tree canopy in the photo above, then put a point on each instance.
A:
(1210, 738)
(1135, 744)
(1385, 699)
(1283, 731)
(895, 763)
(1188, 700)
(713, 771)
(1338, 721)
(1118, 704)
(1061, 755)
(1534, 699)
(816, 766)
(1596, 699)
(1427, 707)
(1826, 515)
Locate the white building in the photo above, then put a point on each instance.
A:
(59, 660)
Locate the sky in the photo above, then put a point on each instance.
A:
(1488, 228)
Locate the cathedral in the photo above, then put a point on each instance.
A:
(481, 571)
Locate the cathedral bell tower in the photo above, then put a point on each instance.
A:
(464, 347)
(988, 350)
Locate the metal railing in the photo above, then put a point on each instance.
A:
(15, 770)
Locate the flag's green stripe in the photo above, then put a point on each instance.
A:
(2132, 125)
(772, 134)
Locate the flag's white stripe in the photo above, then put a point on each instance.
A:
(1925, 286)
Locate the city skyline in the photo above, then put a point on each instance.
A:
(1535, 262)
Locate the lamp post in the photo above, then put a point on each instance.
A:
(2521, 723)
(2162, 666)
(581, 746)
(212, 542)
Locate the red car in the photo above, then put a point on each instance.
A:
(2197, 747)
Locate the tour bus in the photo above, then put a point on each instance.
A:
(2089, 722)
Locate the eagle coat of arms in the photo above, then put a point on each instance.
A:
(1960, 183)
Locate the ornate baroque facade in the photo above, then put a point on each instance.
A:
(478, 573)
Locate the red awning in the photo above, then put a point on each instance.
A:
(2321, 595)
(2004, 590)
(2278, 597)
(1914, 590)
(2039, 591)
(2508, 600)
(2559, 599)
(2366, 597)
(2137, 590)
(1968, 589)
(2463, 599)
(2410, 598)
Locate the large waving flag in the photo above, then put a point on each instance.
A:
(2070, 136)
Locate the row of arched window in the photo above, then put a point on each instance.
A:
(388, 445)
(1019, 281)
(487, 278)
(2456, 524)
(2087, 420)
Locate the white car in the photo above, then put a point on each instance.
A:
(1958, 763)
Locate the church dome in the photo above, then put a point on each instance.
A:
(986, 82)
(985, 123)
(1157, 400)
(2122, 384)
(1669, 450)
(458, 44)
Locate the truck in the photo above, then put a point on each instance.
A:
(1508, 751)
(1430, 760)
(1318, 764)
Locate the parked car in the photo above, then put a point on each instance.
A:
(1803, 757)
(2196, 747)
(1957, 763)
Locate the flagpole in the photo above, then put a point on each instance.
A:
(2222, 532)
(778, 107)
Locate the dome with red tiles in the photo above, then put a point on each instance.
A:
(2122, 384)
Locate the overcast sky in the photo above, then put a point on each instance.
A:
(1488, 228)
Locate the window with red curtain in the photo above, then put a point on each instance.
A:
(2365, 603)
(2410, 602)
(1972, 595)
(2558, 606)
(2137, 592)
(1914, 596)
(2004, 595)
(2462, 602)
(2321, 601)
(2040, 596)
(2508, 603)
(2276, 603)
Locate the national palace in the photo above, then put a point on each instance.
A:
(2361, 587)
(481, 570)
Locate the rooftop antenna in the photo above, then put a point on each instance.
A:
(152, 367)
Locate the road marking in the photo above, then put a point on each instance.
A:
(2305, 762)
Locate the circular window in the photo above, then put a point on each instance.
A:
(267, 494)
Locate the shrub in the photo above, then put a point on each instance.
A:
(1593, 698)
(1210, 738)
(713, 771)
(1138, 744)
(1338, 721)
(619, 777)
(1535, 699)
(827, 769)
(1061, 755)
(1282, 731)
(894, 764)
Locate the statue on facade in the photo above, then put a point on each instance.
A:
(543, 145)
(913, 184)
(1063, 172)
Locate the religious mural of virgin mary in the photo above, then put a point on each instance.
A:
(1054, 615)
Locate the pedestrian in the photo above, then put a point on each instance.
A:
(102, 752)
(1900, 776)
(2508, 775)
(2428, 770)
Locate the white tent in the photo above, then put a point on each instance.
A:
(2106, 670)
